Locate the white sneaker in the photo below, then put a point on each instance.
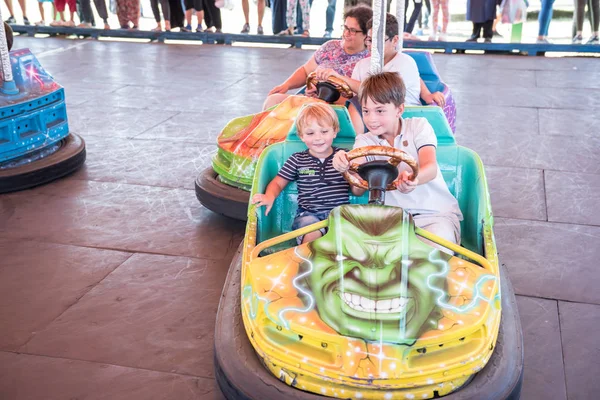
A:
(40, 23)
(432, 37)
(443, 37)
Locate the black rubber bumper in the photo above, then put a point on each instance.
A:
(221, 198)
(241, 375)
(69, 158)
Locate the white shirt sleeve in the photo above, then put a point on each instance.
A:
(423, 133)
(358, 72)
(361, 141)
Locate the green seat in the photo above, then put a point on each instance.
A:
(461, 168)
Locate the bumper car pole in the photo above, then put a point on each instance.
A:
(378, 36)
(8, 84)
(400, 17)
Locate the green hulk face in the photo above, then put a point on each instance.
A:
(358, 281)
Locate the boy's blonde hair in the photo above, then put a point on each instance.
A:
(322, 113)
(383, 88)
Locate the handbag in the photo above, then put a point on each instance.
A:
(514, 11)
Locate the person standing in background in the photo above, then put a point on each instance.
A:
(212, 17)
(544, 20)
(261, 14)
(166, 12)
(128, 11)
(594, 9)
(329, 18)
(11, 19)
(42, 21)
(445, 19)
(482, 14)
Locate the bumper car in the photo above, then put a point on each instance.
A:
(432, 79)
(376, 308)
(35, 144)
(224, 187)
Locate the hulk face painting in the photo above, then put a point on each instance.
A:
(371, 275)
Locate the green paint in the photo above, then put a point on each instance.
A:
(361, 257)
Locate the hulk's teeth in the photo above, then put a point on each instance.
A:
(361, 303)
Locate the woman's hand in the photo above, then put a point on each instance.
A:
(263, 200)
(340, 161)
(323, 74)
(283, 88)
(404, 184)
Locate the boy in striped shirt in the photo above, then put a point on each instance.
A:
(320, 187)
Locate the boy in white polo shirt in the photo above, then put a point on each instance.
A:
(394, 61)
(426, 196)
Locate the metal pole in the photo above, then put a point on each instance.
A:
(400, 4)
(378, 35)
(8, 84)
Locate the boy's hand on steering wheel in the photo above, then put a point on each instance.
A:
(340, 162)
(405, 184)
(279, 89)
(311, 92)
(263, 200)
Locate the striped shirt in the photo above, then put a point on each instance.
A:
(320, 186)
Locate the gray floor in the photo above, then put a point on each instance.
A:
(110, 278)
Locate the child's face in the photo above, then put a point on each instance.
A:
(389, 44)
(318, 139)
(381, 118)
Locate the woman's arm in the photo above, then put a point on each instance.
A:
(324, 73)
(297, 79)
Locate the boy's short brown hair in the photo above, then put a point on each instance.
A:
(320, 112)
(391, 26)
(383, 88)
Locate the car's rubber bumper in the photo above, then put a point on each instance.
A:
(67, 159)
(220, 197)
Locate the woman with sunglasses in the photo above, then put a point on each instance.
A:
(339, 55)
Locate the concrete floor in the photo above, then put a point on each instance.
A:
(110, 278)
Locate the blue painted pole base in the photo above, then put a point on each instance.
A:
(9, 88)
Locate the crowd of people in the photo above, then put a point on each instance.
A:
(292, 17)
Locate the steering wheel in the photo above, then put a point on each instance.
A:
(396, 157)
(329, 90)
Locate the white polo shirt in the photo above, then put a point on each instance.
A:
(405, 66)
(430, 198)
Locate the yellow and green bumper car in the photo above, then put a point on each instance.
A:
(376, 308)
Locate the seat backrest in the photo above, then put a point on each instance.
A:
(463, 173)
(346, 133)
(436, 117)
(427, 70)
